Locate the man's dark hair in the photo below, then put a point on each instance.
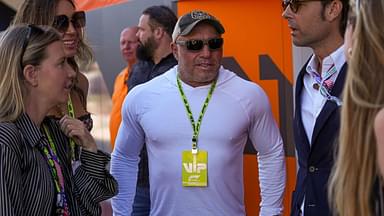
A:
(344, 14)
(163, 16)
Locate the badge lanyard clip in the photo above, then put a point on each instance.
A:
(194, 146)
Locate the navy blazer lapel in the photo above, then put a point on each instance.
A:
(298, 118)
(330, 106)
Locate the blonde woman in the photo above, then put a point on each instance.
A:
(36, 176)
(355, 187)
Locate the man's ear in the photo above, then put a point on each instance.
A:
(174, 50)
(333, 10)
(30, 73)
(158, 32)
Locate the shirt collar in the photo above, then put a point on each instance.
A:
(30, 132)
(337, 58)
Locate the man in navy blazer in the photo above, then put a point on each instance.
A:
(320, 25)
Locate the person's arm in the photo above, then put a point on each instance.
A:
(379, 132)
(92, 181)
(125, 158)
(266, 139)
(11, 198)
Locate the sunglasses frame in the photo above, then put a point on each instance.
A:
(189, 44)
(61, 22)
(32, 29)
(294, 5)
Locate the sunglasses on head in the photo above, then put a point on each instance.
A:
(197, 45)
(61, 22)
(294, 4)
(32, 30)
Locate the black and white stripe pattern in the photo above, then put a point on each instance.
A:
(26, 185)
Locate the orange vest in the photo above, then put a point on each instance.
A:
(120, 90)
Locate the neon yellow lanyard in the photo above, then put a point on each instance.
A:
(54, 167)
(71, 113)
(195, 127)
(51, 157)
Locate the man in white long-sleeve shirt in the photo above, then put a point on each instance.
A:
(195, 120)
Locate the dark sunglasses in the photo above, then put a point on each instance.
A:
(61, 22)
(31, 31)
(294, 4)
(197, 45)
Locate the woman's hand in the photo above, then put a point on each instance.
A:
(76, 130)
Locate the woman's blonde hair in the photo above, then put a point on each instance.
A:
(20, 46)
(355, 171)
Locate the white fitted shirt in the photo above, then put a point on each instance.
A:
(154, 113)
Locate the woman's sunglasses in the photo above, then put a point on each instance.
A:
(61, 22)
(197, 45)
(294, 4)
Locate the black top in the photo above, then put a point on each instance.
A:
(26, 184)
(378, 197)
(142, 72)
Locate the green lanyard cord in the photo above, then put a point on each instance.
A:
(195, 127)
(71, 113)
(50, 158)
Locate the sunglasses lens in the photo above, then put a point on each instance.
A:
(61, 23)
(295, 5)
(195, 45)
(78, 19)
(215, 43)
(284, 4)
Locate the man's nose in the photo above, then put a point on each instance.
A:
(287, 12)
(206, 51)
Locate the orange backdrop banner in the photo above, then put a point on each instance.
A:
(87, 5)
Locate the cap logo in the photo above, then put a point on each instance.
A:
(200, 15)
